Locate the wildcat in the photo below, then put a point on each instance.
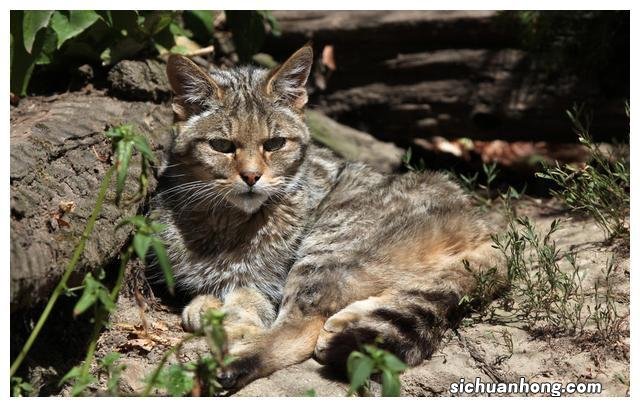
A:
(308, 255)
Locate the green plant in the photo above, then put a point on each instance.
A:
(95, 294)
(59, 37)
(471, 184)
(485, 195)
(508, 341)
(605, 312)
(199, 23)
(486, 284)
(112, 371)
(546, 286)
(545, 292)
(250, 29)
(361, 365)
(146, 236)
(600, 188)
(107, 366)
(407, 159)
(125, 139)
(199, 377)
(20, 388)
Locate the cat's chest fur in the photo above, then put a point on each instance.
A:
(215, 253)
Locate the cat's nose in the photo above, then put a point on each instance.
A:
(250, 178)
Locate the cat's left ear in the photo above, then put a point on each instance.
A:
(194, 89)
(287, 82)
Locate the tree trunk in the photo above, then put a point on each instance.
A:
(59, 154)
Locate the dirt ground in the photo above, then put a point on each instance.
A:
(489, 351)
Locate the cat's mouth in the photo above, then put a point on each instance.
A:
(248, 201)
(250, 194)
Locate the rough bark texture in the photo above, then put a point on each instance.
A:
(406, 74)
(59, 154)
(139, 80)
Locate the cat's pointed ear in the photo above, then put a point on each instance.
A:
(194, 89)
(287, 81)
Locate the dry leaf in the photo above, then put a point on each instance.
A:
(100, 157)
(124, 326)
(56, 220)
(160, 326)
(67, 206)
(328, 59)
(140, 343)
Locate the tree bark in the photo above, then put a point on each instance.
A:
(59, 154)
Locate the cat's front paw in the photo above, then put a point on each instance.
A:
(192, 313)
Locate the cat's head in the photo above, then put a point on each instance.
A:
(244, 137)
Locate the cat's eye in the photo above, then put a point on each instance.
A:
(274, 144)
(222, 145)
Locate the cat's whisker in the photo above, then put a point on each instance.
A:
(169, 165)
(174, 175)
(181, 186)
(217, 196)
(196, 206)
(171, 194)
(186, 201)
(222, 198)
(181, 197)
(200, 197)
(208, 195)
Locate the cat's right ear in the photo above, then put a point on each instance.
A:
(287, 81)
(194, 89)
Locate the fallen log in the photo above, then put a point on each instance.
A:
(59, 155)
(401, 75)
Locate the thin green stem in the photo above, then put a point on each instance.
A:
(102, 313)
(165, 358)
(124, 260)
(97, 327)
(62, 285)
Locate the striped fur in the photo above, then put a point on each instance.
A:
(323, 255)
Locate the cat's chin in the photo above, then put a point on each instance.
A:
(248, 202)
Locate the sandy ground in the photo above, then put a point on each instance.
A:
(493, 352)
